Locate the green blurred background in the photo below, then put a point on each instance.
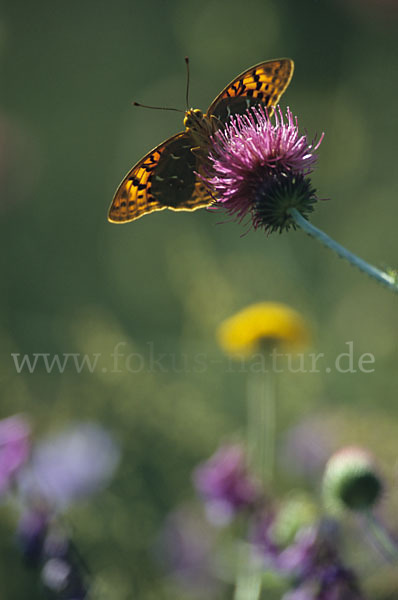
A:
(75, 283)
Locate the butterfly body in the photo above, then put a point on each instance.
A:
(167, 177)
(200, 127)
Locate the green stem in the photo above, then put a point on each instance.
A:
(261, 427)
(248, 582)
(381, 537)
(269, 428)
(381, 276)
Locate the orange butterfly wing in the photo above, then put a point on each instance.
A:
(164, 178)
(261, 84)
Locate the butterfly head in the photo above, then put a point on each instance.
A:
(200, 127)
(193, 119)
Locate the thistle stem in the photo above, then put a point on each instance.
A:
(382, 277)
(381, 538)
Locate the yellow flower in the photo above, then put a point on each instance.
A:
(263, 325)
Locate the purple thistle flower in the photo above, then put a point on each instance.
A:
(225, 484)
(260, 167)
(70, 466)
(14, 448)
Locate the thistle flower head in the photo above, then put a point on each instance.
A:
(260, 167)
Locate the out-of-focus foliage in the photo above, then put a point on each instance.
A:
(157, 289)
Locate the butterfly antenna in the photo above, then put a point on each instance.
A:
(187, 90)
(157, 107)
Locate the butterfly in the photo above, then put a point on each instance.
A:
(167, 177)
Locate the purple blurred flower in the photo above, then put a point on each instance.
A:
(262, 540)
(260, 167)
(320, 571)
(225, 484)
(298, 558)
(295, 560)
(56, 544)
(338, 583)
(31, 533)
(14, 448)
(304, 592)
(332, 583)
(70, 466)
(64, 579)
(312, 561)
(44, 544)
(186, 547)
(55, 574)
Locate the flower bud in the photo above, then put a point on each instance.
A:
(351, 480)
